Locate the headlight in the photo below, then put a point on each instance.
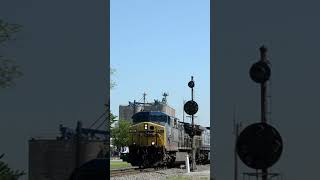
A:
(152, 143)
(132, 130)
(145, 126)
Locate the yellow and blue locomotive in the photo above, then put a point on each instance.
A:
(157, 139)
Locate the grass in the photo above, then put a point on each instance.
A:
(119, 164)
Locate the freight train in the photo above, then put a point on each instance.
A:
(157, 139)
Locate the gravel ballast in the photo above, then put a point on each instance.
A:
(161, 174)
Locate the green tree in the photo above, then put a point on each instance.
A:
(7, 173)
(9, 70)
(112, 86)
(113, 119)
(120, 133)
(112, 83)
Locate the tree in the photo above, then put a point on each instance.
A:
(113, 119)
(112, 83)
(112, 86)
(7, 173)
(7, 30)
(120, 133)
(9, 70)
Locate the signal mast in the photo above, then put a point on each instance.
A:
(191, 108)
(259, 145)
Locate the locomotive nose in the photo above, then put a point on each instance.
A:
(147, 134)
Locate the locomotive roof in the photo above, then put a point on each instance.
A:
(151, 116)
(149, 113)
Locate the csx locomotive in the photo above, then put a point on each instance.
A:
(157, 139)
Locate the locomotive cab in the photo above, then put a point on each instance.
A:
(147, 139)
(147, 134)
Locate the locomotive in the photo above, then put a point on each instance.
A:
(157, 139)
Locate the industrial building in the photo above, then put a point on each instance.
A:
(56, 159)
(127, 111)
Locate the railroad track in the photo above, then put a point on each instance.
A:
(130, 171)
(137, 170)
(124, 171)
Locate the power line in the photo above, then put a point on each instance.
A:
(101, 116)
(102, 123)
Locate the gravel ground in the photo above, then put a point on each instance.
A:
(160, 175)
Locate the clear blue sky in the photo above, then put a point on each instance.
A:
(155, 47)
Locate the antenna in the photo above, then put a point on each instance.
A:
(144, 99)
(164, 99)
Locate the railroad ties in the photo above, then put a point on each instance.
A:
(124, 171)
(132, 170)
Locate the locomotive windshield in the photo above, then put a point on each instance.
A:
(152, 116)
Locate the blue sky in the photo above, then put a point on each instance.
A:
(155, 47)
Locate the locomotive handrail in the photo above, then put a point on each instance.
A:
(160, 137)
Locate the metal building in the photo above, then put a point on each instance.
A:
(56, 159)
